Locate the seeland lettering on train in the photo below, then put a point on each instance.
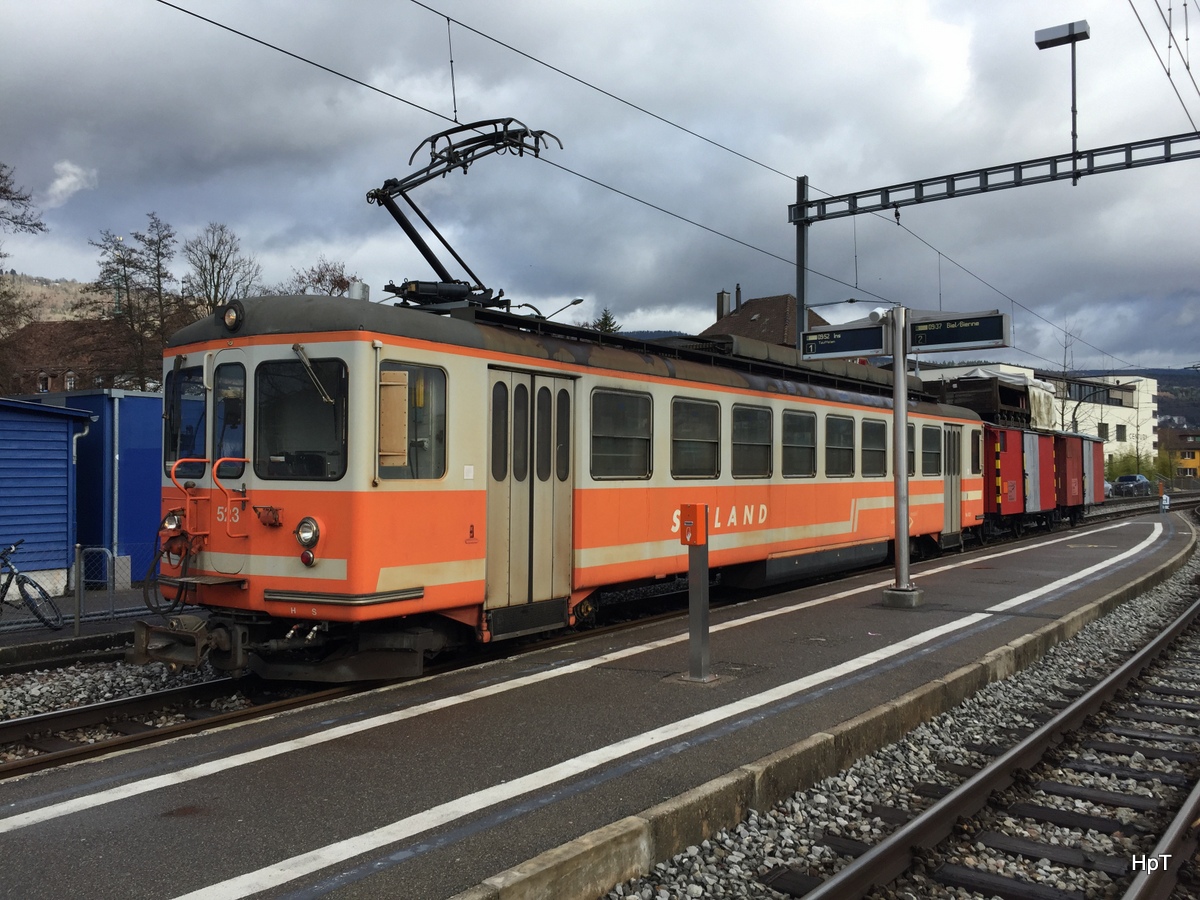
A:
(744, 516)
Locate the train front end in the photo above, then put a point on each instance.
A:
(300, 469)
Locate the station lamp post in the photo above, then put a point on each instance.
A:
(1071, 33)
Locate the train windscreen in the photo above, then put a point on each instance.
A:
(300, 419)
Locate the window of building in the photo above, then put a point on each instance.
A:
(1102, 431)
(69, 381)
(874, 447)
(799, 444)
(695, 438)
(412, 421)
(620, 434)
(751, 452)
(839, 446)
(1121, 434)
(931, 450)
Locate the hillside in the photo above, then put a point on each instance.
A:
(1178, 392)
(52, 298)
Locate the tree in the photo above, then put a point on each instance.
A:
(133, 291)
(218, 271)
(17, 214)
(325, 277)
(606, 322)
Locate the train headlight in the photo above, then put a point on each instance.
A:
(233, 315)
(173, 521)
(307, 532)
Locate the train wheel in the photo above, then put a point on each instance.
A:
(39, 602)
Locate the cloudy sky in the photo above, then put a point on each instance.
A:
(112, 109)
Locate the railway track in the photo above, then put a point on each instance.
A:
(56, 738)
(64, 736)
(1105, 789)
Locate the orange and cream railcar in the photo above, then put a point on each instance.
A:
(350, 487)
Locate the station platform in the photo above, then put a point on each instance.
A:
(564, 771)
(104, 619)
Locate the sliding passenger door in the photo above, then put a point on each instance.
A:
(952, 487)
(530, 488)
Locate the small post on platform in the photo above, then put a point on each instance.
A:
(78, 587)
(693, 532)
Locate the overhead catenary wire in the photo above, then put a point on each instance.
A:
(1158, 56)
(594, 181)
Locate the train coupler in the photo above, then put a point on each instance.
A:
(183, 642)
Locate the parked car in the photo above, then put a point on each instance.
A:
(1132, 486)
(1108, 489)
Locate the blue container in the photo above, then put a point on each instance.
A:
(38, 482)
(120, 478)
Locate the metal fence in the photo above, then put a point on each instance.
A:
(100, 586)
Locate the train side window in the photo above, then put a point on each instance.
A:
(499, 431)
(912, 449)
(412, 421)
(839, 446)
(976, 452)
(931, 450)
(562, 438)
(695, 438)
(874, 447)
(301, 411)
(542, 422)
(229, 426)
(799, 444)
(621, 434)
(520, 451)
(752, 442)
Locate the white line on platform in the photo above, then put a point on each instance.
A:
(203, 770)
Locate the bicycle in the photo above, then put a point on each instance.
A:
(31, 592)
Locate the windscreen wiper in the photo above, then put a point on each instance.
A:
(312, 373)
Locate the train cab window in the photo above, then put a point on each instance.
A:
(300, 425)
(620, 434)
(874, 447)
(412, 421)
(931, 450)
(976, 452)
(799, 445)
(839, 446)
(695, 439)
(184, 419)
(912, 449)
(229, 427)
(751, 456)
